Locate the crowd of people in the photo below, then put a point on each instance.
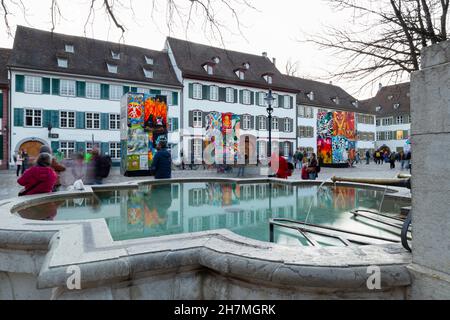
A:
(48, 172)
(384, 156)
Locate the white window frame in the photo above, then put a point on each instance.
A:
(168, 94)
(262, 121)
(35, 114)
(115, 92)
(197, 91)
(114, 118)
(63, 62)
(33, 84)
(142, 90)
(198, 148)
(93, 90)
(115, 55)
(399, 120)
(149, 74)
(91, 118)
(114, 150)
(286, 148)
(246, 122)
(66, 115)
(275, 101)
(209, 69)
(67, 88)
(67, 148)
(229, 95)
(246, 97)
(287, 125)
(287, 102)
(149, 60)
(90, 146)
(197, 119)
(275, 124)
(70, 48)
(214, 93)
(262, 145)
(112, 68)
(170, 125)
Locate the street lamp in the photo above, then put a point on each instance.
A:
(269, 100)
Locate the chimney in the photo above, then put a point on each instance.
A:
(274, 61)
(331, 82)
(264, 54)
(380, 85)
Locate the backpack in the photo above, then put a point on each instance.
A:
(104, 167)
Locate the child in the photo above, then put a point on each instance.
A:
(305, 173)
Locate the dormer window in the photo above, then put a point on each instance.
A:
(216, 60)
(396, 106)
(149, 60)
(268, 78)
(208, 68)
(115, 55)
(355, 104)
(111, 68)
(148, 73)
(390, 97)
(335, 100)
(63, 63)
(69, 48)
(310, 96)
(378, 108)
(240, 74)
(246, 66)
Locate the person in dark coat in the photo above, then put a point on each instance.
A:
(40, 178)
(162, 162)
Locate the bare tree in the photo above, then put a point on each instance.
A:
(386, 37)
(291, 68)
(185, 12)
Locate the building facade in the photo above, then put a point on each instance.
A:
(66, 91)
(218, 82)
(391, 105)
(4, 95)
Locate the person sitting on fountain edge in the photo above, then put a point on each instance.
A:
(162, 162)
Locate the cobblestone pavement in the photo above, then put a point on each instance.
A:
(9, 187)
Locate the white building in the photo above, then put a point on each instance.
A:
(224, 81)
(391, 105)
(66, 91)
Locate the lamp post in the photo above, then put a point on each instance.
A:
(269, 99)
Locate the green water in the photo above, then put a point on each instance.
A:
(245, 209)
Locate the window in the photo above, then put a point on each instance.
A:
(335, 100)
(262, 149)
(111, 68)
(67, 88)
(287, 125)
(287, 102)
(170, 124)
(67, 119)
(389, 135)
(379, 136)
(198, 152)
(115, 55)
(286, 149)
(310, 96)
(148, 60)
(92, 120)
(409, 119)
(209, 69)
(261, 100)
(33, 118)
(399, 135)
(275, 123)
(67, 148)
(93, 90)
(63, 63)
(246, 97)
(387, 121)
(197, 91)
(262, 123)
(246, 122)
(143, 90)
(305, 112)
(115, 92)
(91, 146)
(268, 78)
(305, 132)
(33, 84)
(197, 119)
(323, 111)
(240, 74)
(399, 120)
(396, 106)
(275, 101)
(114, 150)
(148, 73)
(69, 48)
(214, 93)
(114, 121)
(230, 95)
(378, 122)
(168, 95)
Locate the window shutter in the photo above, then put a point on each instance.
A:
(80, 120)
(126, 89)
(205, 92)
(155, 92)
(174, 124)
(46, 85)
(203, 117)
(292, 102)
(104, 91)
(133, 89)
(191, 119)
(252, 98)
(55, 87)
(175, 98)
(235, 95)
(47, 118)
(280, 101)
(267, 123)
(292, 125)
(222, 94)
(281, 149)
(252, 122)
(257, 123)
(241, 96)
(80, 147)
(81, 89)
(18, 117)
(281, 124)
(20, 83)
(54, 118)
(191, 90)
(257, 149)
(104, 121)
(104, 148)
(257, 98)
(1, 104)
(55, 146)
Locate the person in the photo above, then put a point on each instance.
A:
(19, 163)
(298, 157)
(279, 163)
(402, 158)
(358, 157)
(25, 160)
(408, 161)
(162, 162)
(241, 166)
(40, 178)
(182, 160)
(367, 157)
(55, 165)
(312, 167)
(102, 165)
(392, 160)
(305, 174)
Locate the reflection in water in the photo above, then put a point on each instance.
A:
(165, 209)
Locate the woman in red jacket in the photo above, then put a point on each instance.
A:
(40, 178)
(279, 164)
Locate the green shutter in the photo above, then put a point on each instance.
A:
(104, 121)
(134, 89)
(46, 85)
(47, 118)
(104, 91)
(280, 101)
(205, 92)
(55, 146)
(1, 105)
(222, 94)
(175, 124)
(292, 102)
(55, 87)
(191, 90)
(54, 118)
(80, 120)
(257, 98)
(241, 96)
(175, 98)
(156, 92)
(126, 89)
(252, 98)
(104, 147)
(80, 147)
(20, 83)
(81, 89)
(18, 117)
(235, 96)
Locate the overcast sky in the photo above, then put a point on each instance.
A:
(275, 27)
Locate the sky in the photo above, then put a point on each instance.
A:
(276, 27)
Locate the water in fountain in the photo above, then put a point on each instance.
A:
(310, 206)
(382, 200)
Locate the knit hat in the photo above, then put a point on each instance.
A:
(45, 149)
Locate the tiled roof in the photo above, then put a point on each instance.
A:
(4, 56)
(39, 50)
(191, 58)
(394, 100)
